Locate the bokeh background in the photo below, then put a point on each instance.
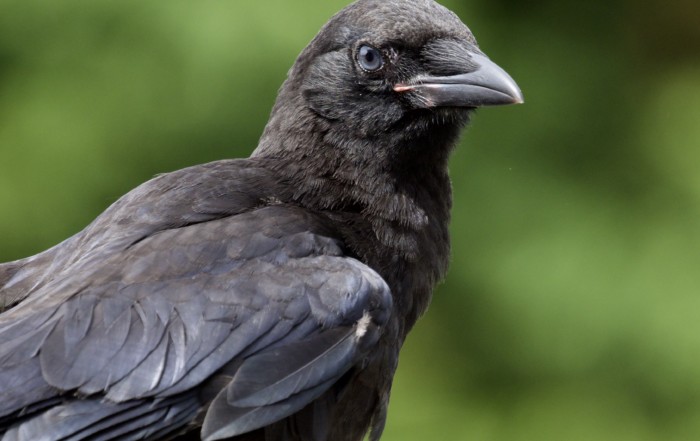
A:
(572, 309)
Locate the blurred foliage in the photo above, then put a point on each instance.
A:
(572, 308)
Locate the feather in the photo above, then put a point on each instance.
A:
(278, 373)
(225, 421)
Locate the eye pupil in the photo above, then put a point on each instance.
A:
(370, 59)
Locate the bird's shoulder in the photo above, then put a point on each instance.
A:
(188, 196)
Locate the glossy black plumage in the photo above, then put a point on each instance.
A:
(263, 298)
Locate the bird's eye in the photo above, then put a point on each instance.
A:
(370, 59)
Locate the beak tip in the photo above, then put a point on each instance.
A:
(503, 82)
(518, 99)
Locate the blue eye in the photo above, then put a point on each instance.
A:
(370, 59)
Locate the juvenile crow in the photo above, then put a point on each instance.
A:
(264, 298)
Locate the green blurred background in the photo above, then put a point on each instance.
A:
(572, 309)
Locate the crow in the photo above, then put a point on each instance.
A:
(263, 298)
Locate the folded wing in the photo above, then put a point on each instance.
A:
(268, 291)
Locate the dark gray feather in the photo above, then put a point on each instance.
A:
(279, 373)
(224, 420)
(98, 420)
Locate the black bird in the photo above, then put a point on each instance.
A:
(264, 298)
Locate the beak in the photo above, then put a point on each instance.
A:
(488, 85)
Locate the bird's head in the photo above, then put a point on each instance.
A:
(403, 71)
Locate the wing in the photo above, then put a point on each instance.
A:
(269, 290)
